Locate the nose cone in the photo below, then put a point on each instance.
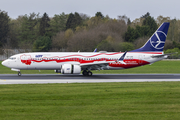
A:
(5, 63)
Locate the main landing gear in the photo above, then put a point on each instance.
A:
(87, 73)
(19, 73)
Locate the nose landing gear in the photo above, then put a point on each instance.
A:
(19, 73)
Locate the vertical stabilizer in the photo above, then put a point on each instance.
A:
(157, 40)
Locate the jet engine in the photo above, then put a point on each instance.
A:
(70, 69)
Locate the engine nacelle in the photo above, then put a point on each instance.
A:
(70, 69)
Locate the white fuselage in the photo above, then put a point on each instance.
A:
(54, 60)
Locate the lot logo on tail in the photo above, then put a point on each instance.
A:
(158, 40)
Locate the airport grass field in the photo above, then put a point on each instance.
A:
(91, 101)
(167, 66)
(94, 101)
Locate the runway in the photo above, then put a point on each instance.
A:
(96, 78)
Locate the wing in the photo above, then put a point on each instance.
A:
(99, 65)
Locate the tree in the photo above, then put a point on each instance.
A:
(125, 19)
(77, 19)
(70, 22)
(173, 32)
(42, 44)
(4, 27)
(58, 23)
(73, 21)
(44, 26)
(151, 24)
(87, 40)
(105, 46)
(13, 33)
(28, 29)
(126, 46)
(142, 29)
(94, 21)
(175, 51)
(160, 19)
(99, 14)
(146, 15)
(131, 35)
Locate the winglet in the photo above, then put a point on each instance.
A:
(122, 58)
(95, 50)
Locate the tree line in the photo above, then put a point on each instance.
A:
(73, 32)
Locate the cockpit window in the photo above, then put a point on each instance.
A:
(12, 58)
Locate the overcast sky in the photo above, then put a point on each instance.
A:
(113, 8)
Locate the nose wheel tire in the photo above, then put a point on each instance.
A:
(19, 73)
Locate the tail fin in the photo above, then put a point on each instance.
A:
(157, 40)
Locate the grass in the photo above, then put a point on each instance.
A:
(157, 67)
(92, 101)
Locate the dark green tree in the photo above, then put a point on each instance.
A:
(73, 21)
(131, 35)
(105, 46)
(26, 28)
(44, 29)
(70, 22)
(175, 53)
(4, 27)
(78, 19)
(58, 23)
(146, 15)
(126, 46)
(42, 44)
(142, 30)
(150, 24)
(99, 14)
(148, 27)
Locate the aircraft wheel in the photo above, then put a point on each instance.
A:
(89, 73)
(85, 73)
(19, 73)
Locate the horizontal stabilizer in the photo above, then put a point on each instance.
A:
(158, 56)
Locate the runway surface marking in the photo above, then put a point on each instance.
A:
(25, 81)
(97, 78)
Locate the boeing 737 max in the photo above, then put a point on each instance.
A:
(75, 62)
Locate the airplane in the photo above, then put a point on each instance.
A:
(85, 62)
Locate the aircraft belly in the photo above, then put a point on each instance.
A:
(44, 66)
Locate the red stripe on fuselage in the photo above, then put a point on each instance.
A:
(129, 63)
